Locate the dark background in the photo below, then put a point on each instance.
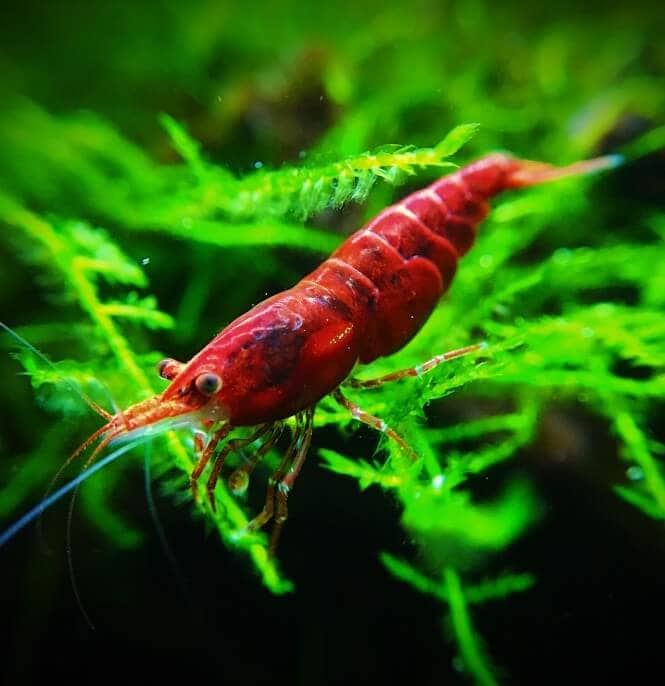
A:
(594, 609)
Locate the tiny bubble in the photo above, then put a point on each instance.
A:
(258, 164)
(237, 535)
(635, 473)
(302, 154)
(145, 261)
(320, 98)
(486, 261)
(187, 222)
(438, 480)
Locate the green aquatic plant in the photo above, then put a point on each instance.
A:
(132, 225)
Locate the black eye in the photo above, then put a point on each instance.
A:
(208, 383)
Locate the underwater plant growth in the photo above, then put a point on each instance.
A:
(130, 235)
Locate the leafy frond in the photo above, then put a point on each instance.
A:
(435, 511)
(303, 191)
(201, 201)
(366, 473)
(449, 591)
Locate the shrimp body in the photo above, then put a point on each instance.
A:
(367, 300)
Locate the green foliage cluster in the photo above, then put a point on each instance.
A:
(109, 208)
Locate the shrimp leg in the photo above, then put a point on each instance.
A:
(376, 423)
(233, 444)
(239, 479)
(205, 456)
(286, 484)
(418, 370)
(266, 514)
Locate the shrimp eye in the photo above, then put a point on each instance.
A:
(164, 368)
(208, 383)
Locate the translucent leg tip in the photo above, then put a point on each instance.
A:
(615, 160)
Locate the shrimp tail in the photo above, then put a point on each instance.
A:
(530, 173)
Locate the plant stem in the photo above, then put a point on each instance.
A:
(470, 649)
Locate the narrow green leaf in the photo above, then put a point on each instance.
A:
(367, 474)
(642, 501)
(185, 145)
(458, 137)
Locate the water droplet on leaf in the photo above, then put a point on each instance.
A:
(635, 473)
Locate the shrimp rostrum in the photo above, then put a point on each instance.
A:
(367, 300)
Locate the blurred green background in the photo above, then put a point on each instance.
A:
(201, 216)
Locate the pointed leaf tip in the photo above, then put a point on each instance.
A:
(187, 147)
(456, 138)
